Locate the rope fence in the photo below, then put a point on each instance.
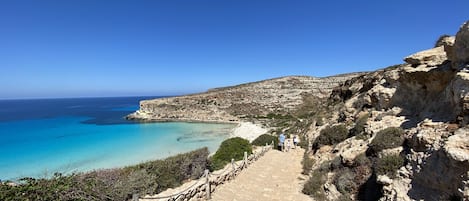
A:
(206, 184)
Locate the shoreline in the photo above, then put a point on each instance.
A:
(248, 130)
(245, 130)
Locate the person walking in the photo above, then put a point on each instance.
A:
(296, 140)
(287, 144)
(281, 141)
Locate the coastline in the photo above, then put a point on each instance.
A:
(248, 130)
(244, 129)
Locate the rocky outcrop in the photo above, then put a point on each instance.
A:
(428, 97)
(431, 57)
(459, 55)
(232, 103)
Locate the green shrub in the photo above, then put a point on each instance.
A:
(344, 181)
(304, 143)
(265, 139)
(361, 160)
(344, 197)
(336, 163)
(359, 128)
(172, 171)
(389, 164)
(314, 186)
(386, 139)
(111, 184)
(232, 148)
(331, 136)
(325, 166)
(307, 163)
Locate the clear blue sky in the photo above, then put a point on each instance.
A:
(77, 48)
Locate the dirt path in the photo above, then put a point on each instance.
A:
(275, 176)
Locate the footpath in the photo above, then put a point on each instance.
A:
(275, 176)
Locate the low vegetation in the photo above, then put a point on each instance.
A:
(264, 139)
(232, 148)
(359, 128)
(388, 165)
(111, 184)
(307, 163)
(314, 186)
(344, 181)
(387, 138)
(331, 136)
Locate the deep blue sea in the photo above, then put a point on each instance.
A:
(44, 136)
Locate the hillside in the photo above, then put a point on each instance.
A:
(407, 136)
(399, 133)
(280, 95)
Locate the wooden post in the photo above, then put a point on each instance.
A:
(246, 159)
(232, 166)
(207, 185)
(135, 197)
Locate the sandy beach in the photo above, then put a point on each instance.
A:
(248, 130)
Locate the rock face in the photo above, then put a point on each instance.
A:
(428, 97)
(460, 52)
(232, 103)
(431, 57)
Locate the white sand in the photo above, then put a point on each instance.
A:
(248, 130)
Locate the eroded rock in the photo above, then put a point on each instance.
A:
(457, 146)
(460, 51)
(431, 57)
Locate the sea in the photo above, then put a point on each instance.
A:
(39, 137)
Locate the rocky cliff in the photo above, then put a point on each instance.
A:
(227, 104)
(408, 136)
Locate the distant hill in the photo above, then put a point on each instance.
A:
(228, 104)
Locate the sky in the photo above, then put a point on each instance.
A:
(94, 48)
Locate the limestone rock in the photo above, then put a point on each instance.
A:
(232, 103)
(381, 96)
(351, 150)
(458, 93)
(448, 44)
(460, 52)
(384, 179)
(457, 146)
(428, 135)
(445, 41)
(431, 57)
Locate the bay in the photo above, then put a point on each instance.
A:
(44, 136)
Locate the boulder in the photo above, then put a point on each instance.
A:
(448, 43)
(432, 57)
(428, 135)
(460, 52)
(352, 148)
(457, 146)
(445, 40)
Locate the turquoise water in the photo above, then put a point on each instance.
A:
(100, 138)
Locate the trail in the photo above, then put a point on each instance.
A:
(275, 176)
